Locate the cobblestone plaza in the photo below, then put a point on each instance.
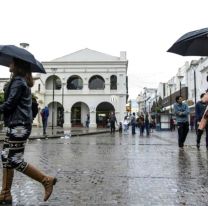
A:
(109, 170)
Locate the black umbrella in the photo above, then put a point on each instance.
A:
(194, 43)
(8, 52)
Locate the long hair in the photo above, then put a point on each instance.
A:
(22, 68)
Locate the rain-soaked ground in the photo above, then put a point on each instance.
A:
(108, 170)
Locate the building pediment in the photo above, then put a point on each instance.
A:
(86, 55)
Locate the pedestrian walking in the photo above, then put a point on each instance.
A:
(133, 123)
(199, 112)
(171, 124)
(147, 124)
(204, 119)
(44, 114)
(113, 121)
(87, 122)
(17, 109)
(141, 124)
(174, 124)
(125, 125)
(120, 127)
(192, 123)
(151, 125)
(181, 111)
(34, 107)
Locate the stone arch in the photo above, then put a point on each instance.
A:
(74, 82)
(103, 111)
(79, 111)
(56, 114)
(53, 79)
(96, 82)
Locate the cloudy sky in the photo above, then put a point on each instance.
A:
(145, 29)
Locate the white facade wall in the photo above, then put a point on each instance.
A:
(85, 70)
(201, 68)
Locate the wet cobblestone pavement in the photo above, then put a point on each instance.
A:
(109, 170)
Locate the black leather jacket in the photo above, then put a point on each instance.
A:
(18, 102)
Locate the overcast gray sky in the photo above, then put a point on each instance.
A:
(143, 28)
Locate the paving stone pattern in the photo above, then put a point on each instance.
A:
(120, 169)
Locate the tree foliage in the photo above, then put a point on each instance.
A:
(1, 97)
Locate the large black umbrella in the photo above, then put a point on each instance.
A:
(7, 52)
(194, 43)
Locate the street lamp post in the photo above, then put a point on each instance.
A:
(156, 105)
(195, 87)
(53, 70)
(24, 45)
(194, 64)
(170, 86)
(62, 114)
(139, 102)
(145, 102)
(63, 84)
(180, 77)
(149, 107)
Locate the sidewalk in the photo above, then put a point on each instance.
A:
(57, 132)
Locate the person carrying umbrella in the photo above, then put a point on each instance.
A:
(18, 118)
(194, 43)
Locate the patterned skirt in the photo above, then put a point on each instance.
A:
(12, 154)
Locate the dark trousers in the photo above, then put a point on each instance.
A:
(44, 121)
(133, 126)
(113, 128)
(183, 128)
(147, 129)
(199, 136)
(141, 129)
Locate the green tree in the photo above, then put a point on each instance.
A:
(1, 97)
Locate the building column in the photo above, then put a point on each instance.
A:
(67, 119)
(93, 123)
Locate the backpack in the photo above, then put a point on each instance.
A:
(42, 113)
(34, 108)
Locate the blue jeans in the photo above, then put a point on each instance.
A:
(45, 123)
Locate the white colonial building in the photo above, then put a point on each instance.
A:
(81, 83)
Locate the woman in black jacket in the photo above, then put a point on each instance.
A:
(18, 120)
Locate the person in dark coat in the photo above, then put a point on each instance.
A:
(44, 114)
(141, 124)
(147, 124)
(200, 109)
(17, 109)
(133, 123)
(87, 122)
(113, 121)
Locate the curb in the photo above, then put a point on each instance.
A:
(58, 135)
